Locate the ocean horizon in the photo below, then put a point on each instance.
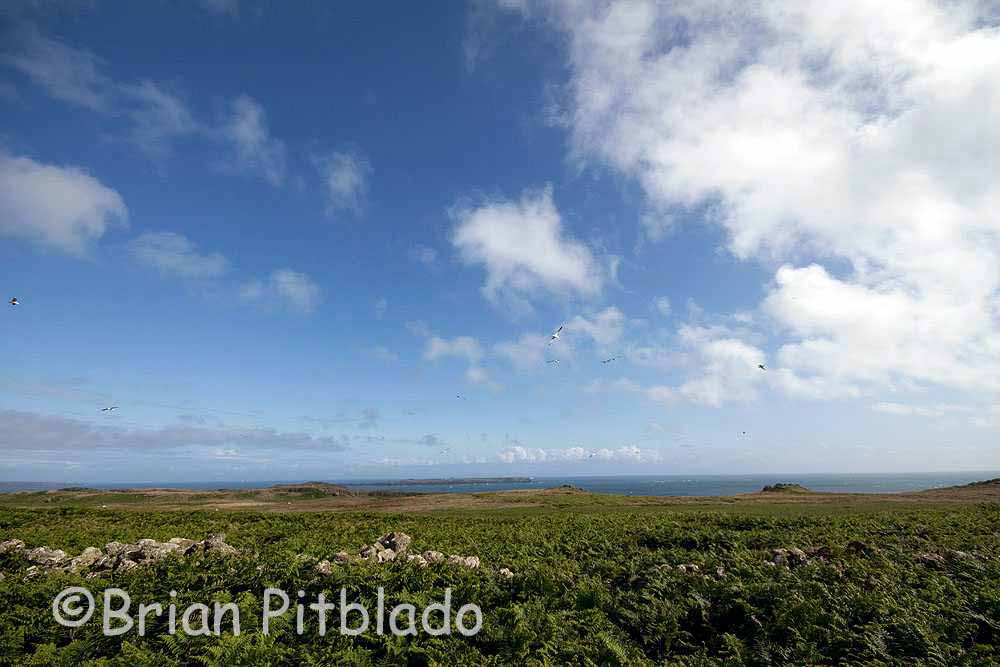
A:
(643, 485)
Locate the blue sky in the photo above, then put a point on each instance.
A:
(331, 242)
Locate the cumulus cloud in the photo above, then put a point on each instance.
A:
(528, 353)
(524, 249)
(60, 208)
(253, 149)
(175, 254)
(284, 286)
(859, 134)
(477, 375)
(604, 328)
(461, 347)
(623, 454)
(345, 179)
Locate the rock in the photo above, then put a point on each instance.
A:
(182, 542)
(324, 567)
(793, 557)
(933, 561)
(505, 573)
(720, 571)
(419, 561)
(126, 565)
(860, 548)
(370, 551)
(215, 543)
(797, 557)
(11, 545)
(433, 557)
(150, 551)
(398, 542)
(31, 573)
(690, 568)
(89, 557)
(114, 549)
(385, 556)
(47, 557)
(822, 553)
(341, 557)
(471, 562)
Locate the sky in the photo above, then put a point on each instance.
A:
(314, 241)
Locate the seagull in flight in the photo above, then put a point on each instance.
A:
(14, 301)
(460, 396)
(555, 335)
(552, 361)
(762, 367)
(109, 409)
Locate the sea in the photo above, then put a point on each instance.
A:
(635, 485)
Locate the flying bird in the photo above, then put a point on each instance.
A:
(762, 367)
(552, 361)
(460, 396)
(609, 360)
(555, 335)
(15, 302)
(113, 407)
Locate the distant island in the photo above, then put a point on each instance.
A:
(450, 480)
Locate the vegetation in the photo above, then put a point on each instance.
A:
(597, 581)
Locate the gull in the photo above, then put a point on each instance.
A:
(14, 301)
(555, 335)
(113, 407)
(460, 396)
(762, 367)
(552, 361)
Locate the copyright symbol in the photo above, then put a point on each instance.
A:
(73, 606)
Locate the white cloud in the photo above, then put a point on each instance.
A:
(175, 253)
(287, 287)
(662, 305)
(524, 249)
(221, 7)
(906, 410)
(424, 255)
(462, 347)
(478, 375)
(859, 134)
(605, 328)
(254, 150)
(529, 352)
(345, 179)
(727, 368)
(66, 73)
(623, 454)
(32, 432)
(62, 208)
(600, 385)
(157, 115)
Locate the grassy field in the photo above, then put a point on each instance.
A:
(597, 580)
